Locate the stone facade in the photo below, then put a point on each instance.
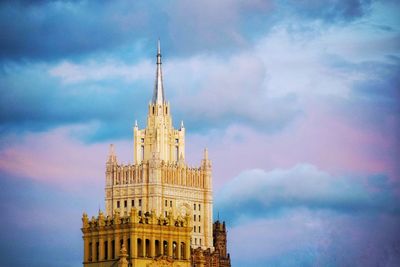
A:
(158, 209)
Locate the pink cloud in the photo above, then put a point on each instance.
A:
(57, 158)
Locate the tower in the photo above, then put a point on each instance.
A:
(158, 209)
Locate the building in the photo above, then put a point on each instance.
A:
(158, 209)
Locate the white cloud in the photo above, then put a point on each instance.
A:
(257, 193)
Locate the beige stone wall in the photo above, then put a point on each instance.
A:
(160, 180)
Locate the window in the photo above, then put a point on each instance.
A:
(166, 110)
(153, 110)
(106, 250)
(140, 213)
(194, 229)
(140, 202)
(199, 218)
(170, 203)
(142, 152)
(126, 203)
(133, 202)
(118, 204)
(195, 241)
(199, 229)
(142, 139)
(176, 141)
(194, 217)
(166, 213)
(166, 203)
(200, 241)
(194, 206)
(199, 207)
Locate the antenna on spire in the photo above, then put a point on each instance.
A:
(205, 153)
(158, 94)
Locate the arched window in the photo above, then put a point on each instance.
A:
(174, 250)
(183, 250)
(139, 247)
(158, 248)
(165, 247)
(147, 248)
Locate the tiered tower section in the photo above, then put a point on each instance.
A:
(160, 181)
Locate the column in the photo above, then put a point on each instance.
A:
(133, 245)
(94, 250)
(144, 245)
(101, 248)
(86, 249)
(117, 245)
(152, 247)
(187, 247)
(178, 247)
(170, 246)
(109, 247)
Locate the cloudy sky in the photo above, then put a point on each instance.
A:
(298, 102)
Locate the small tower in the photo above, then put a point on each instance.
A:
(220, 241)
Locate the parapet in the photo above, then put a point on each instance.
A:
(147, 218)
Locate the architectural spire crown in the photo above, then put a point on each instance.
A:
(158, 94)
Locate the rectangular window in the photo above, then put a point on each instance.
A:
(195, 241)
(106, 250)
(166, 203)
(194, 217)
(126, 203)
(140, 213)
(140, 202)
(194, 206)
(133, 203)
(199, 207)
(177, 141)
(118, 204)
(200, 241)
(199, 218)
(194, 229)
(166, 214)
(199, 230)
(113, 249)
(90, 251)
(170, 203)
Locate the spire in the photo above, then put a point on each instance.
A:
(158, 94)
(111, 155)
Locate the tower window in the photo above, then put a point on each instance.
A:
(142, 152)
(153, 110)
(199, 207)
(195, 241)
(199, 230)
(140, 202)
(199, 218)
(194, 217)
(166, 110)
(133, 202)
(170, 203)
(126, 203)
(176, 140)
(118, 204)
(194, 229)
(200, 241)
(142, 140)
(194, 206)
(166, 203)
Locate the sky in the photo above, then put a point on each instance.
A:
(297, 101)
